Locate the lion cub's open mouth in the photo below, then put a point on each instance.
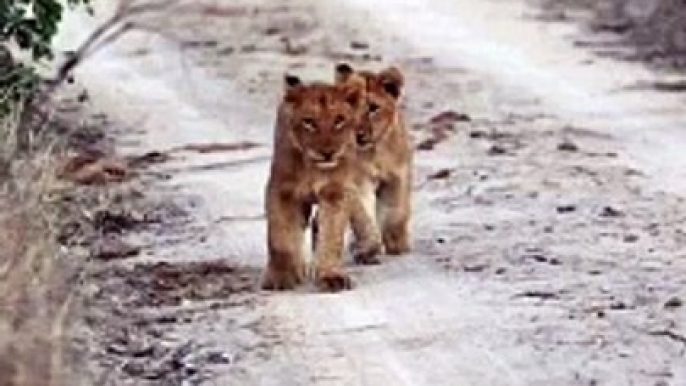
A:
(326, 165)
(324, 161)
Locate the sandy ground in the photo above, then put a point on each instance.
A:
(548, 227)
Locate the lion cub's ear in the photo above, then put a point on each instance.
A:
(291, 83)
(352, 84)
(392, 81)
(353, 92)
(343, 72)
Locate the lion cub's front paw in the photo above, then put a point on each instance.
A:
(333, 280)
(282, 280)
(366, 254)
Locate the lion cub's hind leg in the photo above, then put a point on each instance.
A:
(393, 210)
(367, 243)
(286, 223)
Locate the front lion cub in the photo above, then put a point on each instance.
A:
(313, 163)
(385, 155)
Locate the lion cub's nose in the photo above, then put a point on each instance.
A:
(327, 155)
(363, 138)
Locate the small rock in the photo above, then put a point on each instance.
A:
(630, 238)
(440, 175)
(427, 144)
(134, 369)
(218, 358)
(271, 31)
(542, 295)
(449, 117)
(566, 209)
(83, 97)
(674, 302)
(200, 43)
(538, 258)
(357, 45)
(618, 26)
(152, 157)
(110, 248)
(477, 134)
(106, 221)
(475, 267)
(609, 211)
(497, 150)
(568, 146)
(226, 51)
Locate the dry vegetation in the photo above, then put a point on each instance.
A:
(655, 28)
(39, 271)
(33, 279)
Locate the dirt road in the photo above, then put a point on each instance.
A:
(548, 221)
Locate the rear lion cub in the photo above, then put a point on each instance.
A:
(385, 155)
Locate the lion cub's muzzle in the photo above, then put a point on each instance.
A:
(364, 140)
(325, 159)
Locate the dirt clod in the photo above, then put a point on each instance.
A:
(358, 45)
(609, 211)
(427, 144)
(113, 221)
(542, 295)
(568, 146)
(149, 158)
(673, 303)
(562, 209)
(497, 150)
(630, 238)
(110, 248)
(440, 175)
(449, 117)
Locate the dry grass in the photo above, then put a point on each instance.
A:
(34, 295)
(655, 28)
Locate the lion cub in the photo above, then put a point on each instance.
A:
(385, 155)
(313, 163)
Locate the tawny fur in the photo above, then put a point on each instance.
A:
(385, 155)
(313, 120)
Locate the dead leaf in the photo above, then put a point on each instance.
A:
(449, 117)
(90, 169)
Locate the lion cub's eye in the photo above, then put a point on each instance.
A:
(309, 124)
(339, 122)
(372, 108)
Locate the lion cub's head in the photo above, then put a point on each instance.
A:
(322, 118)
(383, 90)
